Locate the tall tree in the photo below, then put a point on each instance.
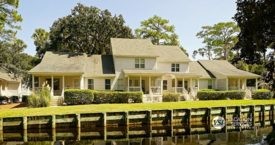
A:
(219, 39)
(159, 31)
(87, 30)
(41, 39)
(256, 21)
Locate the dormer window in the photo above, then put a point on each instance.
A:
(139, 63)
(175, 67)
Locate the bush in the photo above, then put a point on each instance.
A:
(40, 98)
(220, 95)
(170, 97)
(261, 94)
(74, 97)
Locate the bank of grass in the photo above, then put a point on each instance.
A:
(127, 107)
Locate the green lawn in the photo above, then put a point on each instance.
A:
(127, 107)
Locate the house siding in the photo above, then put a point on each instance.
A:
(166, 67)
(203, 83)
(99, 83)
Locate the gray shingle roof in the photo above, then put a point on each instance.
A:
(8, 76)
(195, 67)
(223, 67)
(144, 48)
(82, 64)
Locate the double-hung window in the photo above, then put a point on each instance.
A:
(107, 84)
(90, 84)
(175, 67)
(139, 63)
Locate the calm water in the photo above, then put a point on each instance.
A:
(119, 137)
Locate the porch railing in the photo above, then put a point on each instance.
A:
(156, 90)
(180, 90)
(134, 88)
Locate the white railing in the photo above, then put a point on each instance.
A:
(233, 88)
(147, 98)
(179, 90)
(134, 88)
(251, 88)
(156, 90)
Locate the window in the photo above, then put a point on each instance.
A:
(175, 67)
(179, 83)
(139, 63)
(164, 85)
(90, 84)
(107, 84)
(36, 82)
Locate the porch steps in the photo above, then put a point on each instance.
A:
(54, 100)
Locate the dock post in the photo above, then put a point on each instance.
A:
(238, 109)
(189, 129)
(262, 116)
(171, 121)
(208, 120)
(104, 119)
(252, 116)
(1, 136)
(25, 123)
(126, 118)
(272, 114)
(53, 122)
(25, 135)
(53, 134)
(1, 124)
(149, 123)
(224, 115)
(78, 121)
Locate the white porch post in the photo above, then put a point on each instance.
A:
(183, 85)
(244, 84)
(161, 85)
(33, 83)
(52, 86)
(191, 84)
(239, 83)
(128, 81)
(63, 86)
(140, 86)
(150, 90)
(256, 84)
(81, 82)
(198, 80)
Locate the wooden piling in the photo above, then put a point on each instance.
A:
(224, 115)
(53, 122)
(25, 135)
(171, 115)
(252, 116)
(1, 136)
(208, 120)
(25, 122)
(189, 129)
(104, 120)
(1, 124)
(78, 121)
(272, 114)
(262, 115)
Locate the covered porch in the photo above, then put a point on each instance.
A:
(57, 83)
(241, 84)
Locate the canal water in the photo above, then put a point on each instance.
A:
(115, 136)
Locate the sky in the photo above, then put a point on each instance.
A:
(188, 16)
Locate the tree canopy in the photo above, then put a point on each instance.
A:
(86, 30)
(159, 31)
(41, 39)
(219, 40)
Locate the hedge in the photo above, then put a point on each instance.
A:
(170, 97)
(76, 96)
(220, 95)
(261, 94)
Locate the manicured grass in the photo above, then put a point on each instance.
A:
(127, 107)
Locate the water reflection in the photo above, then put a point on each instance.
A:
(133, 136)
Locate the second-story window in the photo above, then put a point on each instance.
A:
(139, 63)
(175, 67)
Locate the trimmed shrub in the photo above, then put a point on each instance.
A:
(170, 97)
(74, 97)
(40, 98)
(77, 96)
(220, 95)
(261, 94)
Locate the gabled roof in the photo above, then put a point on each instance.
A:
(195, 67)
(223, 67)
(4, 75)
(145, 48)
(81, 64)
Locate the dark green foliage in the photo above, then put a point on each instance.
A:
(40, 98)
(220, 95)
(170, 97)
(86, 30)
(76, 96)
(261, 94)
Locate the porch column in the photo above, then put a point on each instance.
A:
(81, 82)
(140, 86)
(52, 86)
(191, 84)
(183, 85)
(239, 84)
(150, 90)
(1, 89)
(33, 83)
(161, 85)
(63, 86)
(256, 84)
(244, 84)
(198, 80)
(128, 81)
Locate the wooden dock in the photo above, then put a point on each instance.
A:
(132, 124)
